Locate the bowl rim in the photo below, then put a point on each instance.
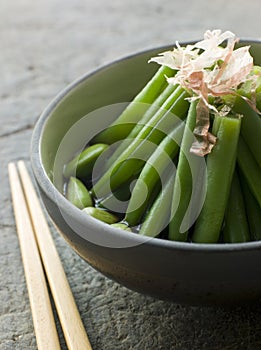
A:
(48, 187)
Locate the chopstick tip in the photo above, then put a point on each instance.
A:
(11, 166)
(20, 163)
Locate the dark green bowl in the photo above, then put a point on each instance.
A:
(205, 274)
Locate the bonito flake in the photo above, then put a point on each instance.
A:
(207, 69)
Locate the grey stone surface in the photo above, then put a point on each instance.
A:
(45, 45)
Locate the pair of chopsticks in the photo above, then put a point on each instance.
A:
(39, 255)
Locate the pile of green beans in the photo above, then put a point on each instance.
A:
(146, 184)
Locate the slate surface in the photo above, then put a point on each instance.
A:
(45, 45)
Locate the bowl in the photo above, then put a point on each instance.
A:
(188, 273)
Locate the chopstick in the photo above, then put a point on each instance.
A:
(44, 324)
(73, 329)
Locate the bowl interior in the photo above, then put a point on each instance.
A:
(114, 83)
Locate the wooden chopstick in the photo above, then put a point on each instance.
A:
(44, 324)
(73, 329)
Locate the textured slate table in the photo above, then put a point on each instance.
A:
(45, 45)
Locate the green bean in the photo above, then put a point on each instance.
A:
(216, 124)
(101, 215)
(236, 228)
(117, 201)
(187, 172)
(78, 194)
(129, 117)
(246, 89)
(152, 173)
(250, 127)
(82, 165)
(253, 210)
(158, 216)
(250, 169)
(122, 226)
(141, 146)
(143, 121)
(143, 150)
(220, 169)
